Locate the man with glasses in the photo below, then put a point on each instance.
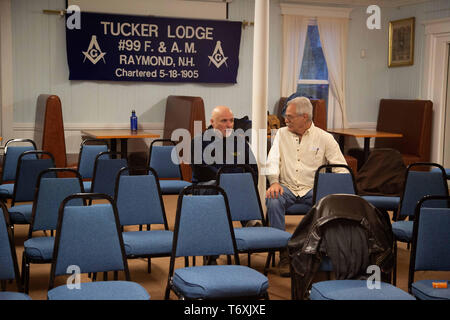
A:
(298, 150)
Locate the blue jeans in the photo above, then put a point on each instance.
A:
(276, 207)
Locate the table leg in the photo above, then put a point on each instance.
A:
(342, 142)
(366, 148)
(123, 148)
(113, 143)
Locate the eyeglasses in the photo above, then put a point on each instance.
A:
(291, 117)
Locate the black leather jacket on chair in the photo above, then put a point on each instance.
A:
(329, 227)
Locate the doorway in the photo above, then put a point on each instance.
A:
(446, 161)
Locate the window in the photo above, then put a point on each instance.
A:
(313, 80)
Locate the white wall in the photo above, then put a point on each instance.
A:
(40, 66)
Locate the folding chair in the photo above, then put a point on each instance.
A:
(245, 205)
(169, 172)
(13, 149)
(88, 238)
(50, 192)
(430, 250)
(139, 202)
(9, 269)
(203, 227)
(29, 166)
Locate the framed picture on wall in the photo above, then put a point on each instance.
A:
(401, 42)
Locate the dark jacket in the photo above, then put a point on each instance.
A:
(347, 229)
(203, 171)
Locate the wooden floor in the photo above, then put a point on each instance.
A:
(155, 282)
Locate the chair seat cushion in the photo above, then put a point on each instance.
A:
(219, 281)
(403, 230)
(39, 248)
(21, 214)
(260, 238)
(100, 290)
(298, 208)
(10, 295)
(356, 290)
(6, 190)
(383, 202)
(424, 290)
(172, 186)
(138, 243)
(87, 186)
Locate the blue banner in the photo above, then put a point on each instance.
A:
(142, 48)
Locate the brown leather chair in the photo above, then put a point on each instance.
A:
(412, 118)
(320, 120)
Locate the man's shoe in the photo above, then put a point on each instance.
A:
(283, 266)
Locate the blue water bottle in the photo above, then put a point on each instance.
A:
(133, 121)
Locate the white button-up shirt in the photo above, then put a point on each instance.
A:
(293, 162)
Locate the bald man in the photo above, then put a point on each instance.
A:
(215, 138)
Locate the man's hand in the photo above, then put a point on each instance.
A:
(274, 191)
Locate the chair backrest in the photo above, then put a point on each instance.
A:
(12, 153)
(326, 183)
(430, 249)
(242, 194)
(50, 192)
(30, 164)
(138, 198)
(88, 237)
(8, 260)
(160, 159)
(105, 172)
(203, 225)
(422, 183)
(87, 155)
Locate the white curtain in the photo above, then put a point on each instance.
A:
(294, 37)
(333, 36)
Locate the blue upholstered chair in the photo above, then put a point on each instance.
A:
(447, 172)
(327, 182)
(30, 165)
(139, 202)
(417, 185)
(89, 238)
(203, 227)
(356, 290)
(8, 259)
(170, 175)
(89, 149)
(50, 192)
(13, 149)
(105, 172)
(245, 205)
(430, 250)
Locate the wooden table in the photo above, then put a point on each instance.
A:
(118, 134)
(363, 133)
